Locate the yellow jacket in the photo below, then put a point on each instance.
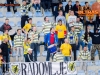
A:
(2, 37)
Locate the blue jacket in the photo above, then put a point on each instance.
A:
(47, 40)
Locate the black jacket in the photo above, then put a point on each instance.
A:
(4, 48)
(75, 8)
(67, 8)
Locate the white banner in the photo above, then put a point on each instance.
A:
(43, 68)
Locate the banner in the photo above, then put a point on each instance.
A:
(43, 68)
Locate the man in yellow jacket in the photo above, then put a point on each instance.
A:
(66, 50)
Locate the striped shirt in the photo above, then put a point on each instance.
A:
(58, 57)
(24, 9)
(78, 27)
(18, 40)
(88, 37)
(34, 36)
(72, 37)
(47, 26)
(84, 55)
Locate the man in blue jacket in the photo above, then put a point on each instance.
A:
(51, 40)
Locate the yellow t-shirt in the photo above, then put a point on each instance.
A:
(26, 46)
(66, 49)
(60, 30)
(27, 27)
(67, 15)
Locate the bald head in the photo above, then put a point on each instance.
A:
(66, 40)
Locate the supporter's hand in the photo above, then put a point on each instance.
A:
(55, 44)
(91, 21)
(26, 33)
(0, 50)
(15, 48)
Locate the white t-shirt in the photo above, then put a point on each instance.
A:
(71, 19)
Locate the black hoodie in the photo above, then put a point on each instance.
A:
(95, 37)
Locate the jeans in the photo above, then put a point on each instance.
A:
(19, 51)
(60, 41)
(89, 45)
(45, 46)
(1, 71)
(35, 47)
(67, 58)
(6, 65)
(79, 41)
(48, 55)
(36, 6)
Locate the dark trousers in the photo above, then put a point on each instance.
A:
(74, 50)
(6, 65)
(48, 55)
(35, 47)
(28, 57)
(52, 6)
(60, 41)
(23, 20)
(8, 7)
(46, 5)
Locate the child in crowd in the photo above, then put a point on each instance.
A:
(58, 57)
(29, 55)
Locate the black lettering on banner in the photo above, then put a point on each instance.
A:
(30, 69)
(61, 68)
(48, 68)
(23, 66)
(35, 68)
(41, 68)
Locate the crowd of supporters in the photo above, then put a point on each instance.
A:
(62, 38)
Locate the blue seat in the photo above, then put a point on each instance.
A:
(30, 14)
(82, 3)
(1, 23)
(1, 15)
(44, 53)
(38, 14)
(91, 2)
(18, 14)
(97, 63)
(73, 3)
(81, 72)
(39, 24)
(48, 13)
(64, 4)
(41, 34)
(99, 72)
(9, 14)
(90, 72)
(96, 52)
(89, 63)
(19, 23)
(11, 24)
(1, 32)
(77, 63)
